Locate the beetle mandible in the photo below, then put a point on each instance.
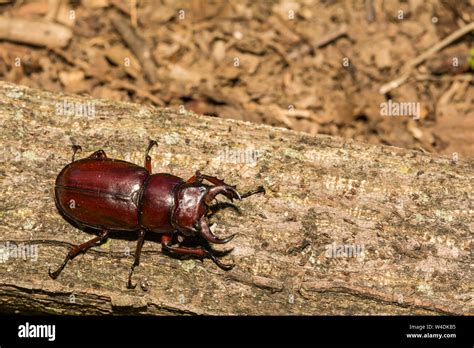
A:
(109, 195)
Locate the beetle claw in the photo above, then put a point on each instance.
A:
(210, 237)
(229, 191)
(129, 283)
(53, 275)
(234, 193)
(56, 273)
(225, 267)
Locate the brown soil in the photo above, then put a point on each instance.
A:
(257, 61)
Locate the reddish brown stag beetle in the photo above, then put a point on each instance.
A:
(109, 195)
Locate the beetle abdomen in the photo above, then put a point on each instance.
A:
(157, 202)
(101, 194)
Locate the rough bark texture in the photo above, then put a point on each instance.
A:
(410, 212)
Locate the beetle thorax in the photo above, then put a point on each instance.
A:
(189, 208)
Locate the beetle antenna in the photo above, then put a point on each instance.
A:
(259, 189)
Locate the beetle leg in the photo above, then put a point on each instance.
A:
(77, 249)
(214, 180)
(198, 252)
(221, 265)
(136, 262)
(147, 156)
(99, 154)
(166, 245)
(75, 148)
(196, 178)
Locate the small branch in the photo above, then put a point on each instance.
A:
(119, 5)
(107, 80)
(330, 37)
(53, 8)
(34, 32)
(413, 63)
(133, 13)
(394, 83)
(325, 40)
(137, 45)
(139, 91)
(369, 8)
(440, 45)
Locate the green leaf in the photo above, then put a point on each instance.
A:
(470, 60)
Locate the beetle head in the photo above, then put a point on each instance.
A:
(192, 205)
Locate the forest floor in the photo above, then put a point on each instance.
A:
(311, 66)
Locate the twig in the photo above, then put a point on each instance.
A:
(121, 6)
(282, 27)
(446, 97)
(325, 40)
(109, 81)
(69, 59)
(330, 37)
(34, 32)
(277, 48)
(394, 83)
(369, 8)
(428, 77)
(443, 43)
(133, 13)
(137, 45)
(413, 63)
(53, 8)
(139, 91)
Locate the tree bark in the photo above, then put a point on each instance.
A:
(345, 228)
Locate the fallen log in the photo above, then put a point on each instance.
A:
(345, 228)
